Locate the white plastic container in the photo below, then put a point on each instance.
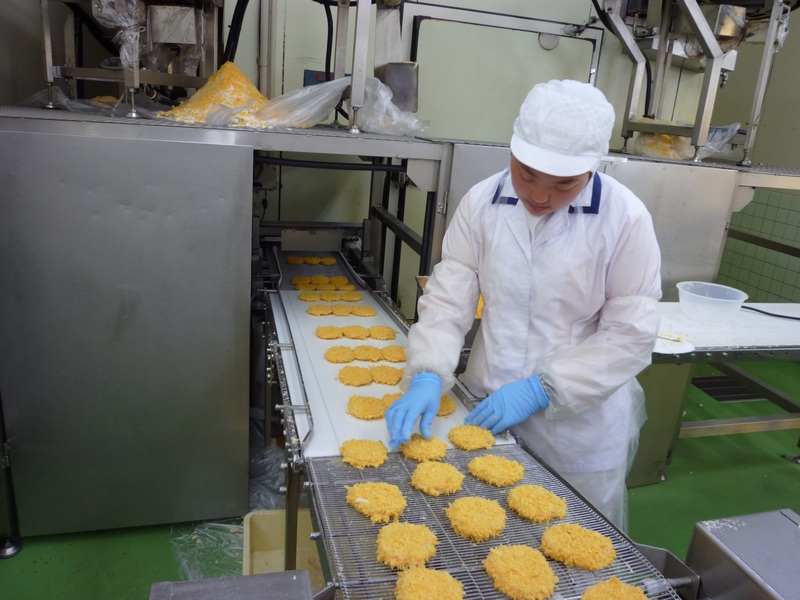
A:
(709, 303)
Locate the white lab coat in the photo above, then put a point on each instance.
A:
(576, 305)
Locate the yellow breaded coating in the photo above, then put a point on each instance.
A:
(382, 332)
(406, 545)
(355, 332)
(447, 406)
(329, 332)
(577, 546)
(386, 375)
(309, 296)
(477, 519)
(318, 279)
(299, 279)
(330, 296)
(352, 296)
(394, 353)
(312, 260)
(305, 287)
(366, 407)
(339, 354)
(341, 310)
(328, 261)
(470, 437)
(520, 572)
(345, 287)
(364, 311)
(437, 478)
(391, 398)
(427, 583)
(326, 287)
(339, 280)
(294, 260)
(319, 310)
(368, 353)
(420, 449)
(613, 589)
(381, 502)
(497, 470)
(364, 453)
(536, 503)
(355, 376)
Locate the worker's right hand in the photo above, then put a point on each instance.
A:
(422, 399)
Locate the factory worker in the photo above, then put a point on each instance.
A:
(569, 267)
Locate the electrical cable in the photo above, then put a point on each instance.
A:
(769, 314)
(235, 31)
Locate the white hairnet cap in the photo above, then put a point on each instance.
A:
(563, 128)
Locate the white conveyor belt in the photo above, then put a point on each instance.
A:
(747, 330)
(327, 396)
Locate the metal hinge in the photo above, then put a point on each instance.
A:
(441, 206)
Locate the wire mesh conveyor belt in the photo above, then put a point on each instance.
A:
(351, 538)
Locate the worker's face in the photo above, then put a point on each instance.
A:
(542, 193)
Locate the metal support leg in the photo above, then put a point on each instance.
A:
(293, 484)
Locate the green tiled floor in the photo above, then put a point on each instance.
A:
(708, 478)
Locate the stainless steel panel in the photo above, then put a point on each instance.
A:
(747, 557)
(124, 312)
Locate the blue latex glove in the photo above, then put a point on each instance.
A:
(511, 404)
(422, 398)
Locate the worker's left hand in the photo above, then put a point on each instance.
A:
(511, 404)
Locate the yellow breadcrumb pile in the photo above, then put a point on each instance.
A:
(427, 583)
(477, 519)
(379, 501)
(405, 545)
(577, 546)
(520, 572)
(613, 589)
(536, 503)
(228, 87)
(364, 453)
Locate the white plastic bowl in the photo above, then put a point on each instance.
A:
(709, 303)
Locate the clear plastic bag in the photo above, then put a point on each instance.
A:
(145, 107)
(128, 16)
(305, 107)
(380, 115)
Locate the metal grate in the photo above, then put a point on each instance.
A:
(351, 537)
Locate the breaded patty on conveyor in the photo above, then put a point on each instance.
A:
(613, 589)
(352, 296)
(394, 353)
(364, 453)
(382, 332)
(355, 332)
(329, 332)
(368, 353)
(420, 449)
(536, 503)
(437, 478)
(496, 470)
(477, 519)
(577, 546)
(364, 311)
(330, 296)
(520, 572)
(406, 545)
(471, 437)
(341, 310)
(355, 376)
(386, 375)
(447, 406)
(366, 407)
(319, 310)
(340, 354)
(310, 296)
(381, 502)
(422, 582)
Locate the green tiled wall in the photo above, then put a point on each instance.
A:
(766, 275)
